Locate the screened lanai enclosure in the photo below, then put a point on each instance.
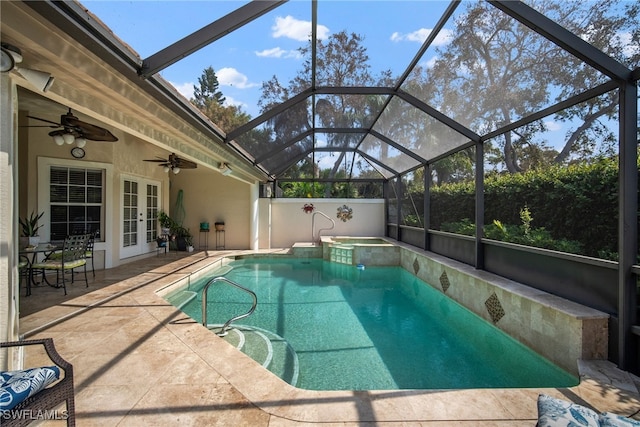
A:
(503, 134)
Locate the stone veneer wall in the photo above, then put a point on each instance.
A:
(558, 329)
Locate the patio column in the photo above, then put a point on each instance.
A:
(9, 279)
(254, 216)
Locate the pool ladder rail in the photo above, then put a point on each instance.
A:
(225, 327)
(313, 226)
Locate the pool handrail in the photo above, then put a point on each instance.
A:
(313, 219)
(223, 330)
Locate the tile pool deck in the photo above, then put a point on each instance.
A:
(138, 361)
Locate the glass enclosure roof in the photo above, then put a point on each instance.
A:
(370, 88)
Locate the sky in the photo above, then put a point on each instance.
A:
(393, 33)
(242, 60)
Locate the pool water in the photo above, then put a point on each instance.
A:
(336, 327)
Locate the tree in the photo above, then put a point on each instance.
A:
(495, 71)
(208, 93)
(341, 61)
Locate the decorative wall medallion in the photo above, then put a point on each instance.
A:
(416, 266)
(494, 308)
(444, 281)
(345, 213)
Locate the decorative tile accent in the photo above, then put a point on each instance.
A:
(494, 308)
(444, 281)
(416, 266)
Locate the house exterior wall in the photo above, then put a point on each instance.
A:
(208, 196)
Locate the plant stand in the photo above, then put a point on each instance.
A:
(204, 235)
(219, 239)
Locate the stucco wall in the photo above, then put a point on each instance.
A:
(208, 196)
(290, 224)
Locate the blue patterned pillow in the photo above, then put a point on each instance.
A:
(612, 420)
(17, 386)
(554, 412)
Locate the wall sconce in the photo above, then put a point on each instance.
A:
(11, 56)
(225, 169)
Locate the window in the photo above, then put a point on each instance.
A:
(77, 201)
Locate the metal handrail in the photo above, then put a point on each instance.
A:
(313, 219)
(223, 331)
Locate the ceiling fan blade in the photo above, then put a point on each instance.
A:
(157, 159)
(89, 131)
(185, 164)
(53, 124)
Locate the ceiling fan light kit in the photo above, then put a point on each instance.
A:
(75, 130)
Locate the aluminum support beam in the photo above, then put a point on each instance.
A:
(479, 255)
(564, 38)
(628, 228)
(206, 35)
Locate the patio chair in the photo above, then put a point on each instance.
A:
(72, 256)
(24, 395)
(24, 268)
(89, 252)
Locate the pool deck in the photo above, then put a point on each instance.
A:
(138, 361)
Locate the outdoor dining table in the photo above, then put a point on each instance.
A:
(31, 254)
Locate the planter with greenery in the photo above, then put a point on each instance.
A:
(30, 227)
(181, 237)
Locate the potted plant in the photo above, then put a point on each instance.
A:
(30, 227)
(184, 239)
(219, 225)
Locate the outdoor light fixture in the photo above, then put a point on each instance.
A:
(225, 169)
(12, 56)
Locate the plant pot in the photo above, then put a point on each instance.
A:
(219, 226)
(204, 226)
(34, 240)
(181, 243)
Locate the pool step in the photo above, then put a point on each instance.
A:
(266, 348)
(181, 298)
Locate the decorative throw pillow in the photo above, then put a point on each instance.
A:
(612, 420)
(17, 386)
(554, 412)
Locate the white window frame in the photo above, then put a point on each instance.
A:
(44, 202)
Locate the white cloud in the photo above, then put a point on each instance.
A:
(278, 52)
(232, 77)
(186, 89)
(552, 125)
(296, 29)
(230, 101)
(443, 37)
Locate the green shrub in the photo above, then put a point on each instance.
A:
(574, 205)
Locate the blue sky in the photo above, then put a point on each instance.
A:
(393, 32)
(242, 60)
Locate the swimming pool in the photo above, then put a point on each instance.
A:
(335, 327)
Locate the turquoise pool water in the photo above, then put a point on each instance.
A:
(335, 327)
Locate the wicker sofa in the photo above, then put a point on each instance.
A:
(37, 406)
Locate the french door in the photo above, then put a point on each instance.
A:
(139, 223)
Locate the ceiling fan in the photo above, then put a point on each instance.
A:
(74, 129)
(173, 163)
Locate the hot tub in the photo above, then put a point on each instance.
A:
(359, 250)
